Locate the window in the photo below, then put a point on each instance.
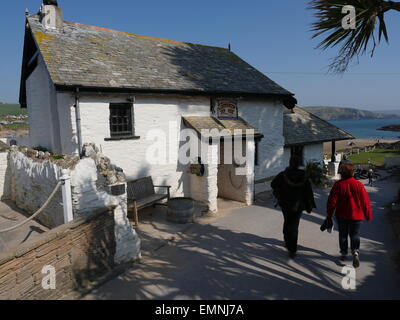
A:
(121, 122)
(298, 151)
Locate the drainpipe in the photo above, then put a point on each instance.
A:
(78, 121)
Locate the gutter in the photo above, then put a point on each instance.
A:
(108, 90)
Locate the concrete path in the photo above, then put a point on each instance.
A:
(241, 256)
(10, 216)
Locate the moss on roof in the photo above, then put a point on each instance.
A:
(89, 56)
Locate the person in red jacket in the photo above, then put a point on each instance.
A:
(349, 202)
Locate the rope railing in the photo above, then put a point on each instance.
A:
(37, 212)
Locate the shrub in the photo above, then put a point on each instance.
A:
(316, 172)
(57, 156)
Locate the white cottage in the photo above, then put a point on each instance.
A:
(137, 97)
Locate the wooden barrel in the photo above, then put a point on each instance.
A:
(180, 210)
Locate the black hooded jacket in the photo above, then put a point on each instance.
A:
(293, 190)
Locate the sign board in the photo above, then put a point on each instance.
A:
(227, 109)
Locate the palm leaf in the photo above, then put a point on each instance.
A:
(352, 42)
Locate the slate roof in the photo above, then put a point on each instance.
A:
(235, 127)
(88, 56)
(302, 127)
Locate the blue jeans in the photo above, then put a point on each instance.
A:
(349, 228)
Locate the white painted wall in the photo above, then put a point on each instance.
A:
(157, 112)
(44, 128)
(32, 181)
(68, 133)
(232, 184)
(314, 153)
(149, 113)
(267, 117)
(3, 171)
(311, 152)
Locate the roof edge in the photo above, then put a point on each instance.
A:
(94, 89)
(329, 124)
(316, 142)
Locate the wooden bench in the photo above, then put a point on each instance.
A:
(141, 194)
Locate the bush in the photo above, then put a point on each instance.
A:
(317, 172)
(57, 156)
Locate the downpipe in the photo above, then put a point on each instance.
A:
(78, 121)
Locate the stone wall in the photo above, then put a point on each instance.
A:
(80, 252)
(33, 176)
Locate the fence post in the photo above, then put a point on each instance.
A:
(66, 195)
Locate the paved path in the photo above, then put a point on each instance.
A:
(10, 216)
(241, 256)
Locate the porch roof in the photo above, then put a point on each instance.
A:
(210, 127)
(302, 127)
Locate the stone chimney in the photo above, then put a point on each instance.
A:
(51, 15)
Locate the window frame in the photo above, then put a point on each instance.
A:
(120, 134)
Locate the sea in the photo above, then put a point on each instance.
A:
(367, 129)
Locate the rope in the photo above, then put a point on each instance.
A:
(37, 212)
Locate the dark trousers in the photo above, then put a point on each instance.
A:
(349, 228)
(291, 229)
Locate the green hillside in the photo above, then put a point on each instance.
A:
(339, 113)
(11, 109)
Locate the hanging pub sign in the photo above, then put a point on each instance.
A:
(227, 109)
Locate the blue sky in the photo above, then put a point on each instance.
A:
(272, 35)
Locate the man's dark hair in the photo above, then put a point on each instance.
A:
(295, 162)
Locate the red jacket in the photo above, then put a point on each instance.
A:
(349, 200)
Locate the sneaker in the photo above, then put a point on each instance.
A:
(292, 254)
(356, 260)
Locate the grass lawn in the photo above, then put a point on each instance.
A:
(11, 109)
(377, 156)
(16, 126)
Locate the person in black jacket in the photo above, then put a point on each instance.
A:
(294, 193)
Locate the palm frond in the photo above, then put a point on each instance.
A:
(352, 42)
